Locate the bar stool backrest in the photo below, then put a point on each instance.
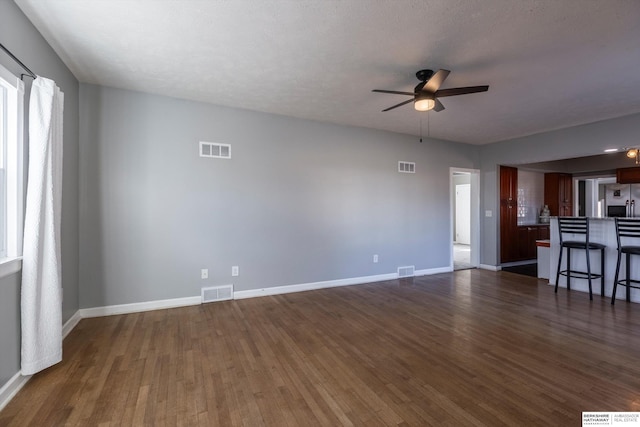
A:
(627, 229)
(573, 225)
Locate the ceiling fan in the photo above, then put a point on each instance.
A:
(426, 93)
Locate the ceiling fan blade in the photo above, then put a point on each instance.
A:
(438, 106)
(461, 91)
(399, 105)
(394, 92)
(434, 83)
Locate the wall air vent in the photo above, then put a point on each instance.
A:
(407, 271)
(406, 167)
(217, 293)
(215, 150)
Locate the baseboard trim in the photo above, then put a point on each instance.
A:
(13, 386)
(70, 324)
(287, 289)
(430, 271)
(490, 267)
(313, 286)
(138, 307)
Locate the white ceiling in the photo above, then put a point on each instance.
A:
(550, 64)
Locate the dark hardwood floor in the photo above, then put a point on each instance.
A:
(466, 348)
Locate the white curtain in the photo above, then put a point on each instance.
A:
(41, 266)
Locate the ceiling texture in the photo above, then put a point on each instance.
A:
(550, 64)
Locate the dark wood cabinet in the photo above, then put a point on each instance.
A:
(558, 193)
(524, 237)
(628, 175)
(508, 214)
(527, 236)
(517, 243)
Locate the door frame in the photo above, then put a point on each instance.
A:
(474, 217)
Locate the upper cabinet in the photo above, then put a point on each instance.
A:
(558, 193)
(628, 175)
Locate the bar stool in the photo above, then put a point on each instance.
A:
(627, 229)
(579, 226)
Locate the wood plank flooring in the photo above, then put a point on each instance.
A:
(466, 348)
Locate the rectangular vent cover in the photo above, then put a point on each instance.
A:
(406, 167)
(217, 293)
(215, 150)
(408, 271)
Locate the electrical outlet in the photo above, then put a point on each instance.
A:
(204, 273)
(488, 214)
(375, 258)
(235, 270)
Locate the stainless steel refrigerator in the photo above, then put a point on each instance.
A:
(621, 200)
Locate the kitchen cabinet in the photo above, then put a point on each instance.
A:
(508, 214)
(558, 193)
(517, 242)
(628, 175)
(527, 236)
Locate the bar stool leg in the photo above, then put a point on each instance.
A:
(615, 281)
(568, 269)
(558, 270)
(601, 272)
(628, 278)
(589, 272)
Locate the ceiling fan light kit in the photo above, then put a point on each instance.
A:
(424, 103)
(426, 93)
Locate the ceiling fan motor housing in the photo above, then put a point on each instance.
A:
(424, 75)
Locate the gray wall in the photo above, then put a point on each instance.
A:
(299, 202)
(19, 35)
(9, 327)
(578, 141)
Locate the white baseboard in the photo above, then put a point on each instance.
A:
(277, 290)
(137, 307)
(490, 267)
(286, 289)
(70, 324)
(430, 271)
(13, 386)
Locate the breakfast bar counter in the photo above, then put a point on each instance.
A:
(601, 230)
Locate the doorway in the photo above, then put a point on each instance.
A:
(465, 221)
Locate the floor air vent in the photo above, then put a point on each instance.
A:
(408, 271)
(217, 293)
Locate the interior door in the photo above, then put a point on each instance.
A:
(463, 214)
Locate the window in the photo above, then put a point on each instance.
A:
(11, 164)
